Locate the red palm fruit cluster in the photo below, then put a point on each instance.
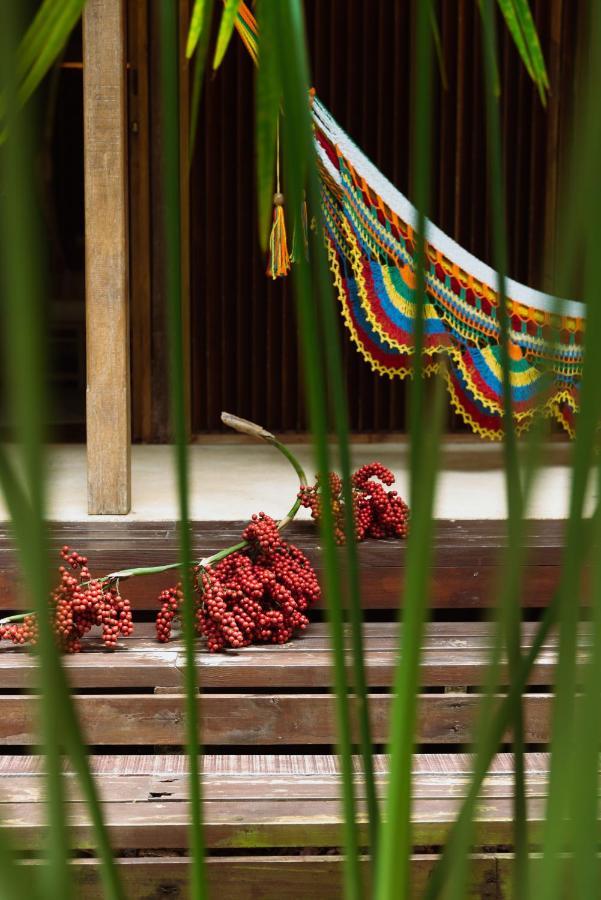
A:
(78, 604)
(311, 498)
(24, 632)
(257, 595)
(377, 512)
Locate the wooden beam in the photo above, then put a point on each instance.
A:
(107, 289)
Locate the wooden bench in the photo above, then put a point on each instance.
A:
(271, 783)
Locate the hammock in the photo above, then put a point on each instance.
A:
(370, 238)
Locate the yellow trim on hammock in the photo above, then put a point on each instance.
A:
(521, 418)
(374, 364)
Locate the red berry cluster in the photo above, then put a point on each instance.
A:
(378, 513)
(78, 603)
(24, 632)
(256, 595)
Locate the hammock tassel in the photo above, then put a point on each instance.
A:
(278, 263)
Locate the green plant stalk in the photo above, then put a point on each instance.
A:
(172, 242)
(66, 718)
(13, 883)
(510, 610)
(563, 722)
(24, 354)
(459, 838)
(494, 728)
(585, 774)
(558, 829)
(238, 424)
(287, 26)
(334, 371)
(393, 867)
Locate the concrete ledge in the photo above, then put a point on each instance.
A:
(231, 481)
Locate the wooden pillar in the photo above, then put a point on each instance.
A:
(106, 232)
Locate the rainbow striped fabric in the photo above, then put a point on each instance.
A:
(371, 244)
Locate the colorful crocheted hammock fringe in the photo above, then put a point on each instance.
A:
(371, 247)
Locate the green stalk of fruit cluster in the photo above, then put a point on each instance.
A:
(244, 427)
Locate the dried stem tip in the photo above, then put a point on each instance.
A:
(246, 427)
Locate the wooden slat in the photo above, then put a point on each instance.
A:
(271, 877)
(461, 587)
(255, 719)
(453, 654)
(288, 822)
(271, 765)
(106, 228)
(465, 573)
(145, 788)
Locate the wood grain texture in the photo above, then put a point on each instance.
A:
(273, 765)
(272, 877)
(258, 720)
(464, 576)
(106, 230)
(288, 822)
(454, 654)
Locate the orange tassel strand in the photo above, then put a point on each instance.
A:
(278, 264)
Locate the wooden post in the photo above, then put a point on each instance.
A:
(106, 224)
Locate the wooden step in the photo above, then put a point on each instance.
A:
(291, 803)
(464, 575)
(260, 720)
(259, 702)
(455, 653)
(281, 877)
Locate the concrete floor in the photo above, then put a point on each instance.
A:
(231, 481)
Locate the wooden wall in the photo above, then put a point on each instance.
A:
(243, 334)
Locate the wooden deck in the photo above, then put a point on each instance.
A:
(271, 783)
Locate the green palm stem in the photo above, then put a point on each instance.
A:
(284, 20)
(510, 608)
(587, 744)
(559, 828)
(577, 543)
(495, 726)
(167, 12)
(25, 355)
(393, 867)
(563, 720)
(334, 370)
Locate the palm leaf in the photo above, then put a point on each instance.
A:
(172, 241)
(53, 34)
(312, 285)
(197, 22)
(202, 47)
(226, 29)
(518, 19)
